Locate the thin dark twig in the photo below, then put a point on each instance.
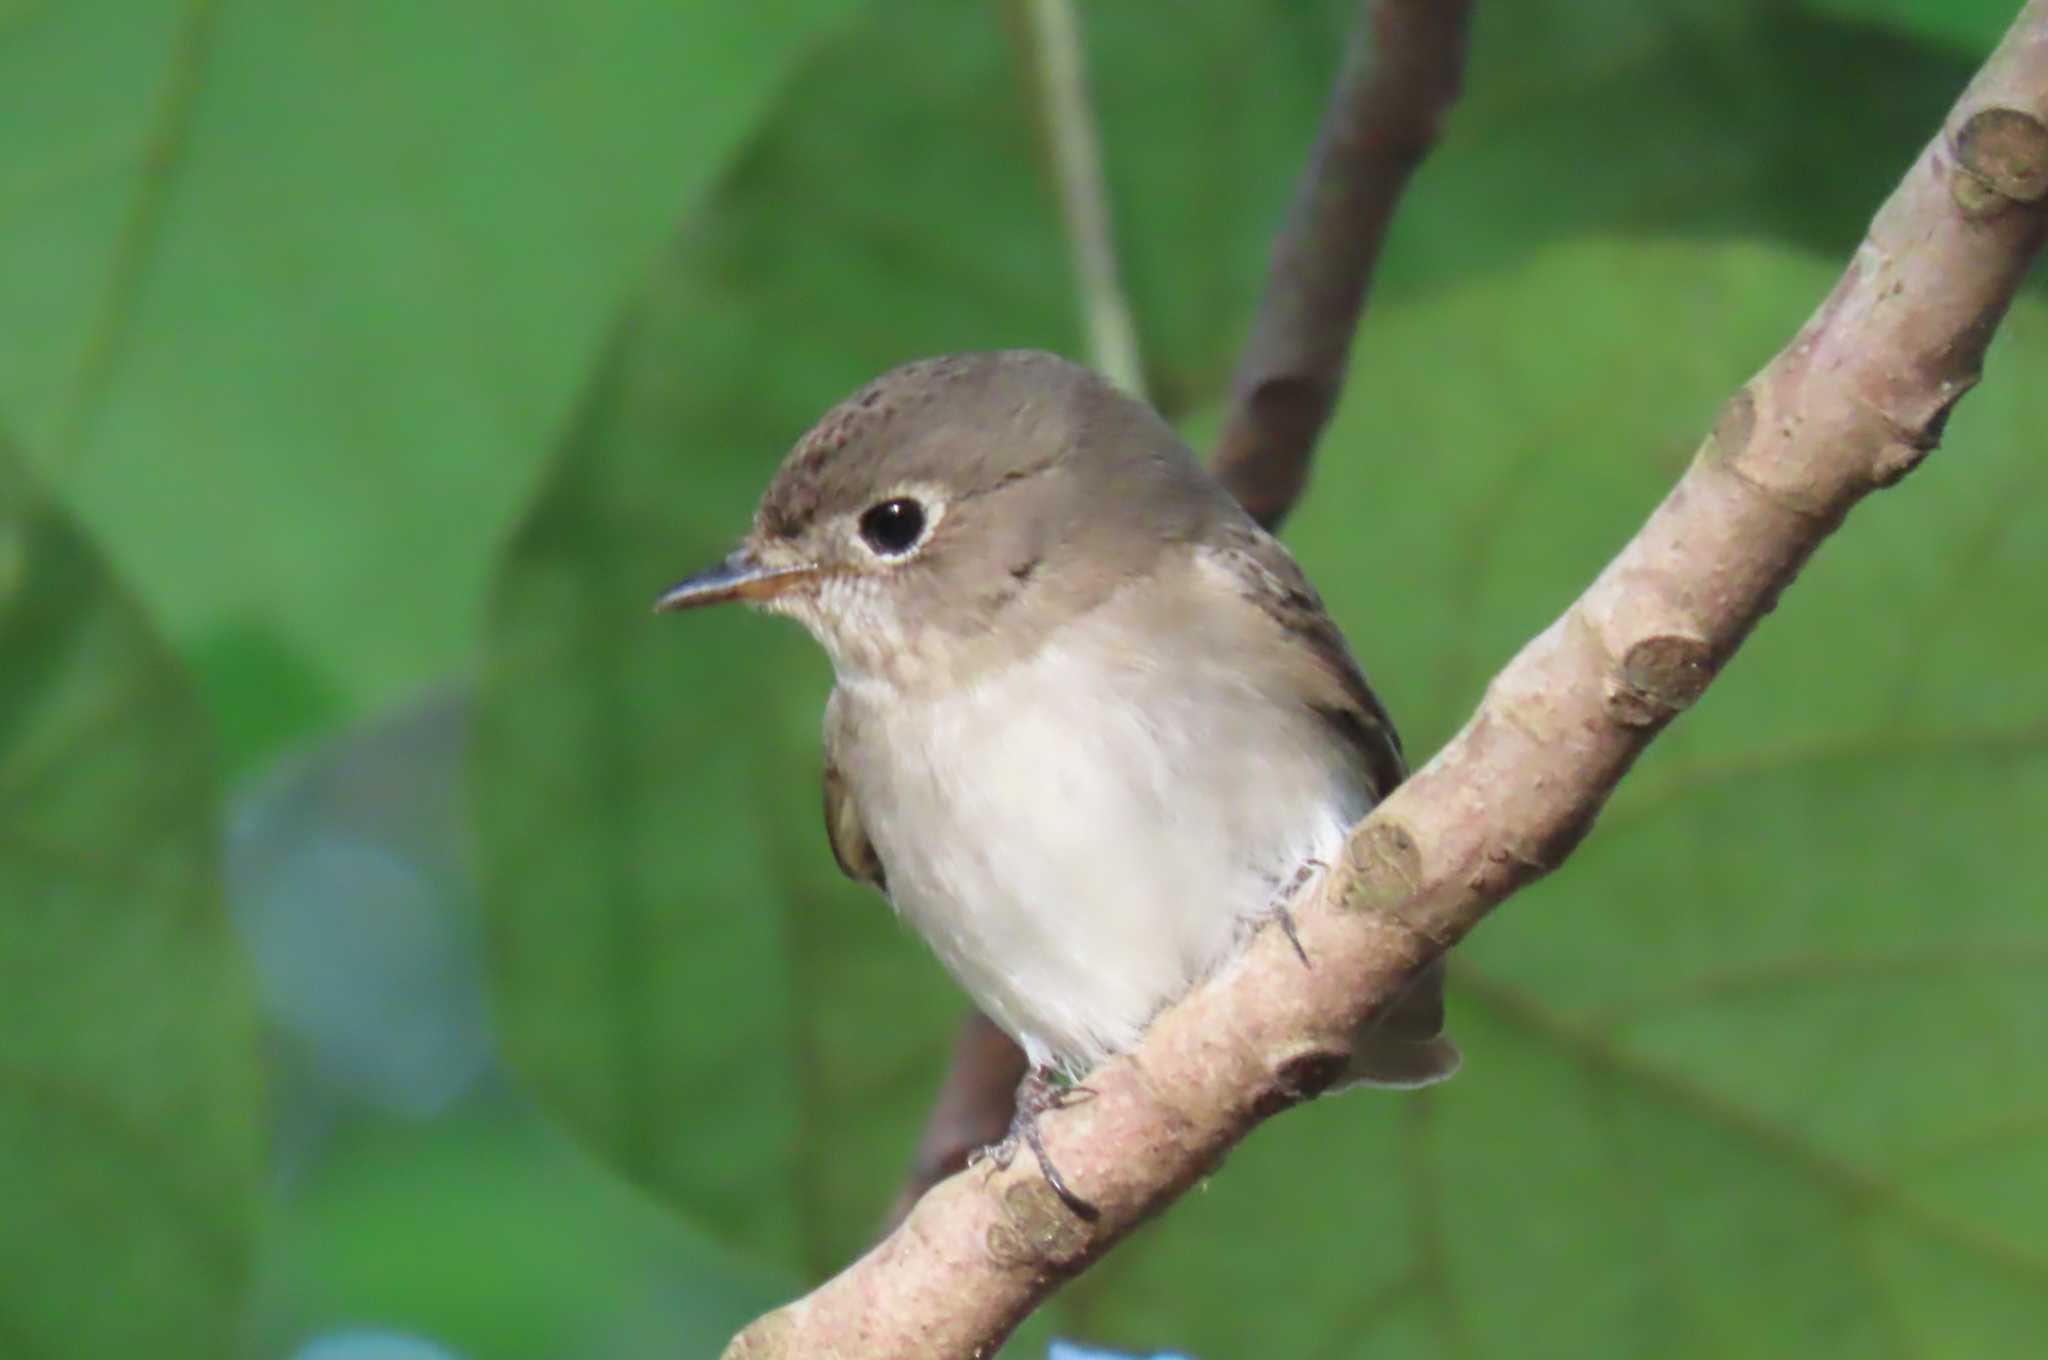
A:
(1400, 75)
(973, 1109)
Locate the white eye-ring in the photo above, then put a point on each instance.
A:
(897, 525)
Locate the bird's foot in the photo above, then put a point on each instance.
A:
(1278, 908)
(1038, 1094)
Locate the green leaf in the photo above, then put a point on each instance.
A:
(687, 982)
(297, 295)
(130, 1114)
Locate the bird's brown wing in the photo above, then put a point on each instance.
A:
(1328, 676)
(1405, 1045)
(843, 828)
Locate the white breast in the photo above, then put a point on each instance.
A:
(1084, 834)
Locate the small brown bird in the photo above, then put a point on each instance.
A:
(1092, 725)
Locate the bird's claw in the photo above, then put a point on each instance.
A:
(1284, 894)
(1037, 1094)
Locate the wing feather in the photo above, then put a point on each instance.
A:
(844, 830)
(1406, 1046)
(1332, 682)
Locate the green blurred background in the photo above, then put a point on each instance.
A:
(408, 948)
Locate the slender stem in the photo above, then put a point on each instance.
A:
(140, 236)
(1400, 74)
(1057, 67)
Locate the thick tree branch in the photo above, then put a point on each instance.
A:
(1400, 73)
(1852, 404)
(1399, 77)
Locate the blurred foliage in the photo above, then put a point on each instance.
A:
(1967, 25)
(293, 331)
(300, 296)
(130, 1141)
(515, 1248)
(348, 878)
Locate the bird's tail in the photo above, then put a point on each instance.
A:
(1405, 1046)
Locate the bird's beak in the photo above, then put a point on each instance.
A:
(739, 577)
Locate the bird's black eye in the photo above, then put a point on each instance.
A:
(893, 527)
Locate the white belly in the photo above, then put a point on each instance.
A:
(1085, 834)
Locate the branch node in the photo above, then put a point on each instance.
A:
(1974, 199)
(1302, 1075)
(1386, 867)
(1734, 448)
(1037, 1230)
(1658, 678)
(1899, 457)
(1735, 424)
(2007, 150)
(1800, 502)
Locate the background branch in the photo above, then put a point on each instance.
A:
(972, 1110)
(1853, 403)
(1400, 73)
